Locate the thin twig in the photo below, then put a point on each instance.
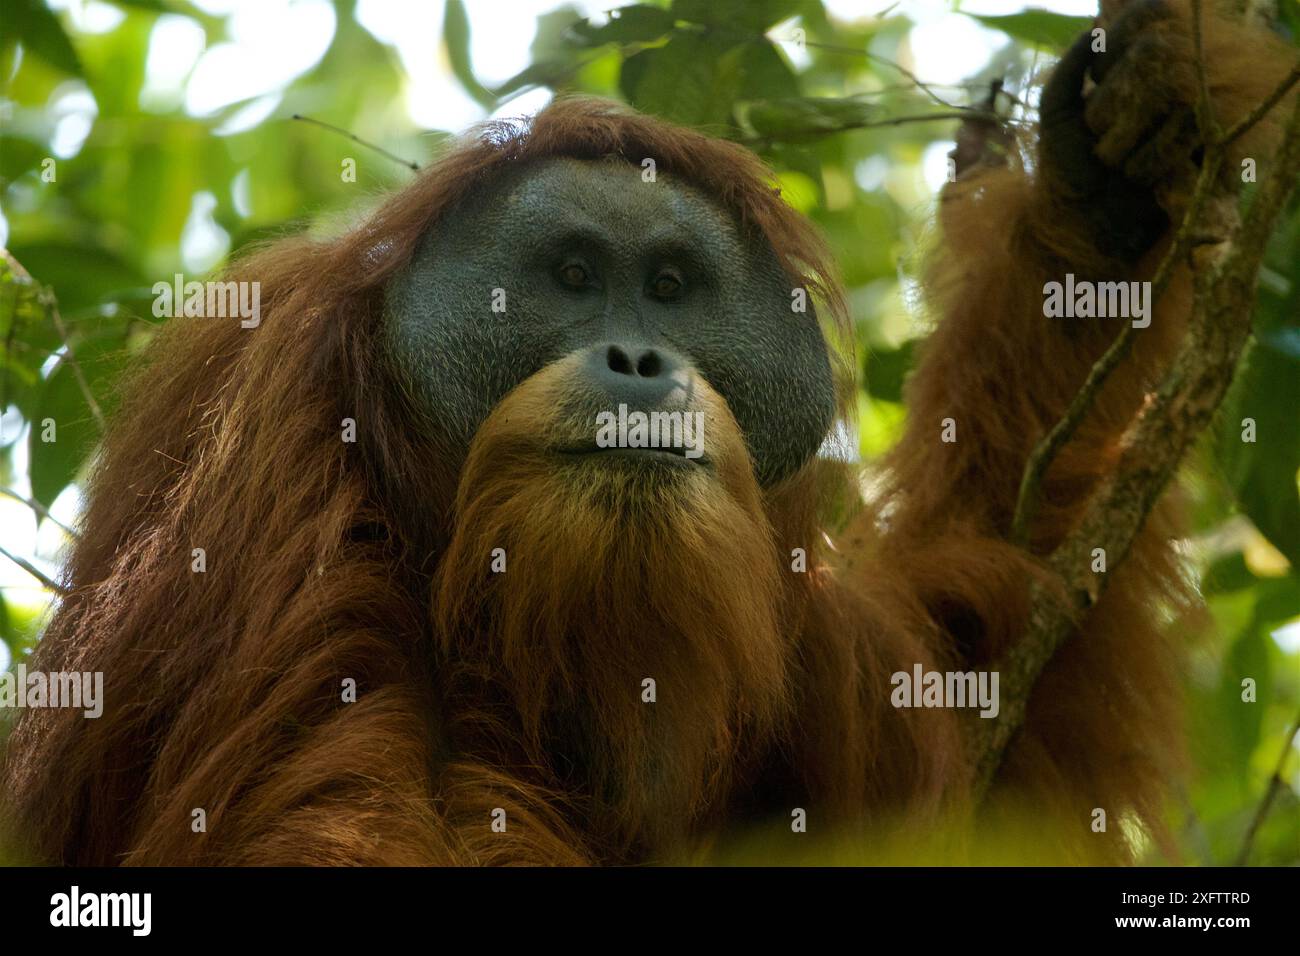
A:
(40, 510)
(70, 357)
(1046, 450)
(962, 113)
(50, 304)
(759, 142)
(885, 61)
(357, 139)
(1258, 113)
(35, 572)
(1204, 108)
(1275, 784)
(927, 88)
(46, 297)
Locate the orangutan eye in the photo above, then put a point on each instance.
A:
(666, 285)
(574, 275)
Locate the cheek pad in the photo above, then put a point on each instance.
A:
(458, 357)
(772, 367)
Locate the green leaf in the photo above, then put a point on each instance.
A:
(886, 369)
(116, 62)
(39, 30)
(455, 37)
(152, 6)
(8, 634)
(554, 61)
(763, 71)
(1055, 31)
(1288, 13)
(27, 337)
(55, 464)
(683, 81)
(542, 73)
(1278, 600)
(1226, 574)
(750, 15)
(81, 275)
(797, 119)
(19, 628)
(1262, 473)
(635, 24)
(1248, 657)
(797, 159)
(18, 155)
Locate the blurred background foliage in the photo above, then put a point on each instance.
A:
(147, 138)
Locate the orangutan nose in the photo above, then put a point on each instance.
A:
(639, 376)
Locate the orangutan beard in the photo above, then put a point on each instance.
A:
(631, 638)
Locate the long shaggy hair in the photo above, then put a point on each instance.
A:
(616, 577)
(329, 561)
(326, 561)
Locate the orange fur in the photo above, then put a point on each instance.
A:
(329, 561)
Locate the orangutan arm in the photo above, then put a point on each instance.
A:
(998, 372)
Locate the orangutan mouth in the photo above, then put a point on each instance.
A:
(673, 457)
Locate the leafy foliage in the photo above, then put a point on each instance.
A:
(96, 224)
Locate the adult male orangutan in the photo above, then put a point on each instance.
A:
(436, 620)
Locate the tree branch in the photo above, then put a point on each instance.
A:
(761, 142)
(1205, 120)
(39, 509)
(926, 88)
(45, 296)
(1259, 112)
(1275, 783)
(409, 164)
(1046, 450)
(1225, 277)
(35, 572)
(1060, 434)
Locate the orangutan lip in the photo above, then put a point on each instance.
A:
(673, 456)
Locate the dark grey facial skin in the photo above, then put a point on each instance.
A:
(729, 312)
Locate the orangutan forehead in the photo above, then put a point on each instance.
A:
(614, 200)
